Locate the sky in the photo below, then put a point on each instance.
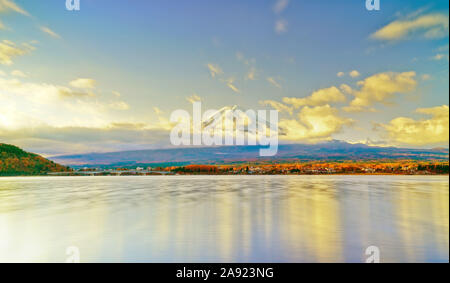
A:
(108, 77)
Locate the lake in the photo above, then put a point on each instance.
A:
(224, 218)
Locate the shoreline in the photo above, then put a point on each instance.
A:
(182, 175)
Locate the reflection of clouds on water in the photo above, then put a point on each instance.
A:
(224, 218)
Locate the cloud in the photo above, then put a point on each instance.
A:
(251, 75)
(440, 56)
(193, 98)
(116, 93)
(278, 106)
(428, 26)
(421, 132)
(11, 6)
(18, 73)
(9, 50)
(83, 83)
(214, 70)
(346, 88)
(426, 77)
(51, 141)
(230, 84)
(119, 105)
(317, 98)
(280, 6)
(25, 104)
(381, 88)
(281, 26)
(49, 32)
(157, 111)
(314, 124)
(340, 74)
(354, 74)
(273, 82)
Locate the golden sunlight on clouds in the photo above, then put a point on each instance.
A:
(381, 88)
(440, 56)
(317, 98)
(230, 84)
(10, 6)
(26, 104)
(429, 26)
(214, 70)
(314, 124)
(354, 74)
(119, 105)
(251, 75)
(273, 82)
(421, 132)
(9, 50)
(277, 106)
(50, 32)
(193, 98)
(83, 83)
(18, 73)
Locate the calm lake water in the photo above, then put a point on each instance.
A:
(225, 218)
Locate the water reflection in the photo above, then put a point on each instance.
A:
(225, 219)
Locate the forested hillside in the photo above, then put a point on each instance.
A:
(16, 162)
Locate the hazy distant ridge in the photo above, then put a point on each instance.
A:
(333, 151)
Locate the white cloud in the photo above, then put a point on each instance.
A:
(281, 26)
(50, 32)
(317, 98)
(381, 88)
(9, 50)
(116, 93)
(278, 106)
(251, 75)
(354, 74)
(25, 104)
(434, 130)
(83, 83)
(18, 73)
(440, 56)
(193, 98)
(273, 82)
(214, 70)
(280, 6)
(427, 26)
(426, 77)
(230, 84)
(119, 105)
(11, 6)
(157, 111)
(314, 124)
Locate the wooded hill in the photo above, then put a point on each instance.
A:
(17, 162)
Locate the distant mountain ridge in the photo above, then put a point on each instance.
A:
(329, 151)
(17, 162)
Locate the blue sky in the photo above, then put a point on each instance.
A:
(158, 54)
